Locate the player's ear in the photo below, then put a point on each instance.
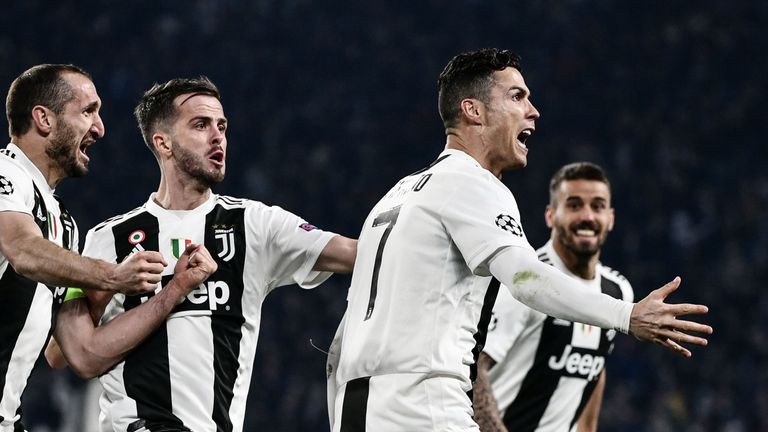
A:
(43, 119)
(549, 215)
(472, 111)
(162, 143)
(611, 219)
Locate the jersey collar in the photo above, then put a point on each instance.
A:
(30, 168)
(154, 208)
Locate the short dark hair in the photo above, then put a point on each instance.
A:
(156, 108)
(470, 75)
(576, 171)
(39, 85)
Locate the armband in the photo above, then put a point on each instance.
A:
(73, 293)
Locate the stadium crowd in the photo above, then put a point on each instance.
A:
(329, 104)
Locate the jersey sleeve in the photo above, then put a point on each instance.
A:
(481, 217)
(292, 246)
(16, 190)
(509, 319)
(100, 244)
(627, 292)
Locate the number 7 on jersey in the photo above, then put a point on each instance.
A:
(388, 218)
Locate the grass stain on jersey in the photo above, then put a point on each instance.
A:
(524, 276)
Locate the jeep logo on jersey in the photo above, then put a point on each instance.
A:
(509, 224)
(176, 246)
(6, 187)
(227, 237)
(215, 293)
(583, 365)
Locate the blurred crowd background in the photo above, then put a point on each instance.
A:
(329, 103)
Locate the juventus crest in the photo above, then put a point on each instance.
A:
(227, 239)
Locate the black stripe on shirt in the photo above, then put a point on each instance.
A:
(540, 383)
(16, 295)
(226, 326)
(146, 371)
(355, 406)
(482, 326)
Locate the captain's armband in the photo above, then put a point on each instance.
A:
(73, 293)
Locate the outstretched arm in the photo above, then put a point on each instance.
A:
(36, 258)
(486, 409)
(90, 350)
(544, 288)
(338, 256)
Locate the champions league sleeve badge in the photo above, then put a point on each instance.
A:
(509, 224)
(6, 187)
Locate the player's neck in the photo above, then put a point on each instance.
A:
(175, 194)
(456, 141)
(580, 265)
(34, 149)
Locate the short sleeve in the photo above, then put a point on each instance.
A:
(292, 246)
(16, 190)
(481, 216)
(508, 321)
(100, 244)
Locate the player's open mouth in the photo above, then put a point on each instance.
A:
(217, 157)
(586, 233)
(84, 146)
(524, 135)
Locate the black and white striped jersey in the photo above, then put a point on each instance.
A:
(193, 373)
(547, 368)
(28, 308)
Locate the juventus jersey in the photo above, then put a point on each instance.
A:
(28, 308)
(421, 294)
(547, 368)
(193, 373)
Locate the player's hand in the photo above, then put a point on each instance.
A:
(194, 266)
(139, 273)
(655, 321)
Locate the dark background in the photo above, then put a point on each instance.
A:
(329, 103)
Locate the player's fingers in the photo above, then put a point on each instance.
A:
(674, 347)
(154, 268)
(687, 309)
(669, 288)
(691, 327)
(204, 250)
(681, 337)
(191, 248)
(152, 278)
(152, 257)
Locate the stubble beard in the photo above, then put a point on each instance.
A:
(63, 149)
(193, 166)
(583, 252)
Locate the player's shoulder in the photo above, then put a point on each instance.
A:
(454, 164)
(616, 278)
(11, 167)
(230, 202)
(258, 211)
(108, 224)
(544, 254)
(456, 175)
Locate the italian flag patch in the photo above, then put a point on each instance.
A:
(176, 246)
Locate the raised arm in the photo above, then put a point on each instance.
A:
(486, 408)
(338, 256)
(91, 350)
(36, 258)
(544, 288)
